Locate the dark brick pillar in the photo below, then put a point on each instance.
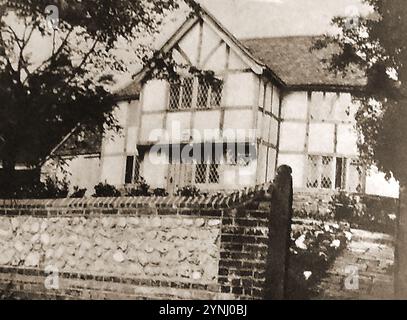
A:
(279, 224)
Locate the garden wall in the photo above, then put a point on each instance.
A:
(149, 248)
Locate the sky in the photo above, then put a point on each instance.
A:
(244, 19)
(265, 18)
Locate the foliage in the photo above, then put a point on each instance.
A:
(370, 213)
(104, 190)
(160, 192)
(45, 97)
(377, 45)
(189, 192)
(314, 247)
(49, 189)
(142, 190)
(78, 192)
(344, 206)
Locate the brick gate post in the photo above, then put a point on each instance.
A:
(280, 218)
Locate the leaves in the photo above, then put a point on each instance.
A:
(43, 99)
(377, 45)
(314, 247)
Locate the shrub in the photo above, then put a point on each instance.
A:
(314, 247)
(50, 189)
(78, 193)
(104, 190)
(371, 213)
(344, 206)
(189, 192)
(159, 192)
(142, 190)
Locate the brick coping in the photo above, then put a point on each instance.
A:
(216, 201)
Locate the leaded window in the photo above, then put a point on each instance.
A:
(198, 93)
(328, 172)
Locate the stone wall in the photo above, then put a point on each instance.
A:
(174, 247)
(177, 249)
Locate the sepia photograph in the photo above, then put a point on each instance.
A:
(212, 151)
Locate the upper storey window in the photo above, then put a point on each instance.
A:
(191, 92)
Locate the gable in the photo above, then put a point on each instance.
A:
(203, 43)
(202, 47)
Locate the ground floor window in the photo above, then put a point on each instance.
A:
(207, 173)
(329, 172)
(132, 170)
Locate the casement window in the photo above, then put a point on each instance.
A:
(203, 160)
(132, 170)
(207, 173)
(207, 164)
(191, 92)
(328, 172)
(209, 94)
(240, 154)
(181, 93)
(320, 172)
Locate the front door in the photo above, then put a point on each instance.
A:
(179, 176)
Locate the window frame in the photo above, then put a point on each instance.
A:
(195, 101)
(206, 178)
(342, 173)
(132, 173)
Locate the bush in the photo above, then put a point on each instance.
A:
(104, 190)
(189, 192)
(78, 193)
(344, 206)
(50, 189)
(142, 190)
(367, 212)
(314, 247)
(159, 192)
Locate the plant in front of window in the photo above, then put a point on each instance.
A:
(104, 190)
(160, 192)
(344, 206)
(142, 189)
(189, 192)
(78, 192)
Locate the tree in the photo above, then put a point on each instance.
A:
(43, 97)
(377, 44)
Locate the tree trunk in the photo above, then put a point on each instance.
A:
(400, 278)
(7, 178)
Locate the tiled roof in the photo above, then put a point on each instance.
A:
(292, 59)
(81, 143)
(132, 90)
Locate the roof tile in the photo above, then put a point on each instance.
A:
(292, 59)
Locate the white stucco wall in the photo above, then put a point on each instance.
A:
(81, 171)
(323, 124)
(241, 89)
(155, 95)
